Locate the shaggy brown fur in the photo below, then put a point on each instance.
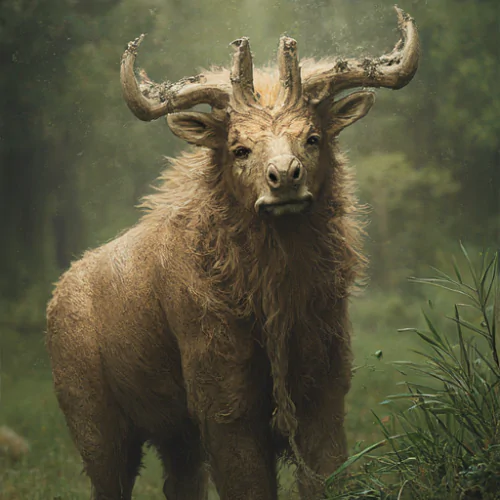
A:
(218, 334)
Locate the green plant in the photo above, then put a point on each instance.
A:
(446, 443)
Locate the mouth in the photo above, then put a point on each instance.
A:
(268, 205)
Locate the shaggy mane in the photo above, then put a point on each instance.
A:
(277, 273)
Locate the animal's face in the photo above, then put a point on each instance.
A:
(274, 151)
(274, 162)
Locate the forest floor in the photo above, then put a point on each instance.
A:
(52, 469)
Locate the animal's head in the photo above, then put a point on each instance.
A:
(275, 149)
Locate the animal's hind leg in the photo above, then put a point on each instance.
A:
(186, 477)
(110, 448)
(114, 470)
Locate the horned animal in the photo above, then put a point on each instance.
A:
(216, 329)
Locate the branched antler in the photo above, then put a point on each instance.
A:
(394, 70)
(149, 100)
(154, 100)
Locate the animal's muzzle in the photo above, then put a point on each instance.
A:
(285, 173)
(288, 193)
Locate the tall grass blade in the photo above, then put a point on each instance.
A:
(464, 358)
(353, 459)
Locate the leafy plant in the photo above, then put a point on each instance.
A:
(446, 443)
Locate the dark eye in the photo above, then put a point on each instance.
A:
(313, 140)
(242, 152)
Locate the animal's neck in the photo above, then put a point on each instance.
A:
(246, 259)
(269, 264)
(288, 270)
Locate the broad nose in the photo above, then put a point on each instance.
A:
(284, 171)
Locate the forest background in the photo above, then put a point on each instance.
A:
(74, 163)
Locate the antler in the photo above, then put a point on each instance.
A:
(149, 101)
(394, 70)
(289, 73)
(242, 74)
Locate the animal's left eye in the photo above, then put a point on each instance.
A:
(242, 152)
(313, 140)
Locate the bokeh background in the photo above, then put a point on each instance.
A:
(74, 162)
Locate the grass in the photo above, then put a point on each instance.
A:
(52, 469)
(442, 434)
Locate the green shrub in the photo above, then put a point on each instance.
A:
(444, 444)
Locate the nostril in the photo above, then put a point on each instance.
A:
(273, 177)
(296, 172)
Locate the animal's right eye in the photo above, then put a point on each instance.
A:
(313, 140)
(242, 152)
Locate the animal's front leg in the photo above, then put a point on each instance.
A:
(242, 460)
(321, 443)
(321, 439)
(227, 394)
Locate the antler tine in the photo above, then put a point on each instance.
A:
(167, 97)
(289, 73)
(242, 73)
(394, 70)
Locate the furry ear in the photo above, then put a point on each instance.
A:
(201, 129)
(350, 109)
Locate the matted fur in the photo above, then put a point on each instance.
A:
(206, 313)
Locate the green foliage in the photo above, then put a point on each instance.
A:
(446, 444)
(401, 193)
